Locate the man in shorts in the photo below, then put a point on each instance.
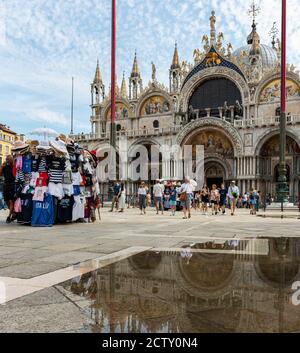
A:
(158, 190)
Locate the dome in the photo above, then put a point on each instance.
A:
(268, 54)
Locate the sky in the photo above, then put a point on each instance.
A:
(43, 43)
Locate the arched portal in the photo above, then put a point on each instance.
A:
(218, 154)
(269, 165)
(214, 174)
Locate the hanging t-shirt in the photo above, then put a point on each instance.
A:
(44, 177)
(55, 175)
(39, 193)
(35, 164)
(78, 208)
(65, 209)
(26, 206)
(20, 178)
(77, 178)
(56, 190)
(19, 162)
(42, 165)
(27, 162)
(42, 214)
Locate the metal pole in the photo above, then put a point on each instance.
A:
(72, 108)
(282, 189)
(113, 76)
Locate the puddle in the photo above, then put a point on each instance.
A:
(197, 288)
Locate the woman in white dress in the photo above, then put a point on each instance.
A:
(122, 198)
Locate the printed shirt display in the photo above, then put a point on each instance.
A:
(65, 209)
(39, 193)
(43, 212)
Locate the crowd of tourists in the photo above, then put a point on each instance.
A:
(44, 183)
(170, 196)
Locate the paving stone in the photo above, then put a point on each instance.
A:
(30, 270)
(70, 258)
(41, 318)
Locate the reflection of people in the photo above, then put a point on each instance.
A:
(186, 253)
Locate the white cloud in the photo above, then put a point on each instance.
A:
(49, 41)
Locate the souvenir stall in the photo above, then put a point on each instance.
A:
(55, 182)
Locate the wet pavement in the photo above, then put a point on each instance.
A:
(212, 285)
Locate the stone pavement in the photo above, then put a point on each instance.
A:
(35, 261)
(27, 252)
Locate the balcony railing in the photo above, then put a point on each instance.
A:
(144, 132)
(265, 121)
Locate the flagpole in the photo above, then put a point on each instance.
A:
(113, 75)
(72, 108)
(282, 190)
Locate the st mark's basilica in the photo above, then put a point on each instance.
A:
(227, 100)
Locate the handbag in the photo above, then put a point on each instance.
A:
(183, 197)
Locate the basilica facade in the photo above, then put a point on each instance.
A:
(227, 100)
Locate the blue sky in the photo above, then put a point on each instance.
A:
(43, 43)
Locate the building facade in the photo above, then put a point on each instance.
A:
(7, 139)
(226, 100)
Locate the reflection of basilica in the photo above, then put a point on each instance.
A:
(163, 292)
(226, 100)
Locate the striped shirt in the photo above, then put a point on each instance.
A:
(55, 176)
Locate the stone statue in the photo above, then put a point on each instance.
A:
(184, 66)
(220, 41)
(205, 40)
(153, 72)
(229, 49)
(238, 109)
(197, 56)
(226, 110)
(213, 20)
(192, 114)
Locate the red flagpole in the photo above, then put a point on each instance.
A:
(283, 189)
(283, 58)
(113, 72)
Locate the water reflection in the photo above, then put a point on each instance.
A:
(190, 291)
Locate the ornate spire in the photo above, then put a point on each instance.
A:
(135, 68)
(254, 38)
(97, 78)
(273, 34)
(253, 12)
(213, 28)
(175, 62)
(124, 87)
